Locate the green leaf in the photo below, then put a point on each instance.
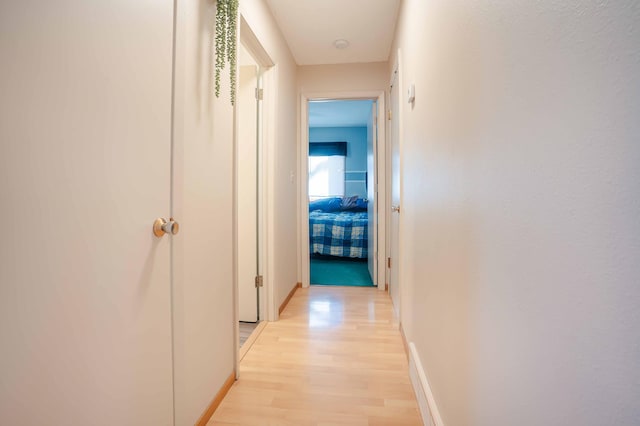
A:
(226, 43)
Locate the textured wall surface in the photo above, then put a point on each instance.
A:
(521, 201)
(284, 160)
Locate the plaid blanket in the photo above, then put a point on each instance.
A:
(341, 234)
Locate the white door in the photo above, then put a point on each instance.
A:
(372, 196)
(85, 122)
(247, 187)
(394, 289)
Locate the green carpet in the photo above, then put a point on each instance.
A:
(340, 272)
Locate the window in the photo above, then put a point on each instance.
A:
(326, 169)
(326, 176)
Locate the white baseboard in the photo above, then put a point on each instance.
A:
(426, 401)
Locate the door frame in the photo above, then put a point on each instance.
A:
(266, 176)
(303, 176)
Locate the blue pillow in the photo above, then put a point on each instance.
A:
(328, 205)
(362, 204)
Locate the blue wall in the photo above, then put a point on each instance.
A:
(356, 161)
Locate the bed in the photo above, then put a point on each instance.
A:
(340, 232)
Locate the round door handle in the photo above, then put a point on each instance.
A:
(162, 226)
(395, 209)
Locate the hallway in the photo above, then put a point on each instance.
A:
(504, 189)
(335, 358)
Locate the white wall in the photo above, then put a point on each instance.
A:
(343, 77)
(284, 162)
(203, 323)
(203, 204)
(521, 206)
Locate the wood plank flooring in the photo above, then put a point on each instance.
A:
(334, 358)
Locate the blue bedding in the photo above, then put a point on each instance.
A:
(342, 234)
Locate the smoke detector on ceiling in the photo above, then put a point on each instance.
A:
(341, 43)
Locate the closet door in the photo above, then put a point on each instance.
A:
(85, 122)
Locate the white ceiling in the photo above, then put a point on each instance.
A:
(311, 26)
(339, 113)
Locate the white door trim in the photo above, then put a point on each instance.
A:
(303, 172)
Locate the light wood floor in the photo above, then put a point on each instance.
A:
(334, 358)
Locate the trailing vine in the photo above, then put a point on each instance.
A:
(226, 43)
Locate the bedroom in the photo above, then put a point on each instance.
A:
(341, 180)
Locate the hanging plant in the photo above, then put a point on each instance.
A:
(226, 43)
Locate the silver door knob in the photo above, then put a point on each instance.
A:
(395, 209)
(162, 226)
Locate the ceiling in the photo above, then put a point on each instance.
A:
(311, 26)
(339, 113)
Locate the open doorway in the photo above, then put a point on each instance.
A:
(247, 169)
(341, 192)
(253, 114)
(254, 136)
